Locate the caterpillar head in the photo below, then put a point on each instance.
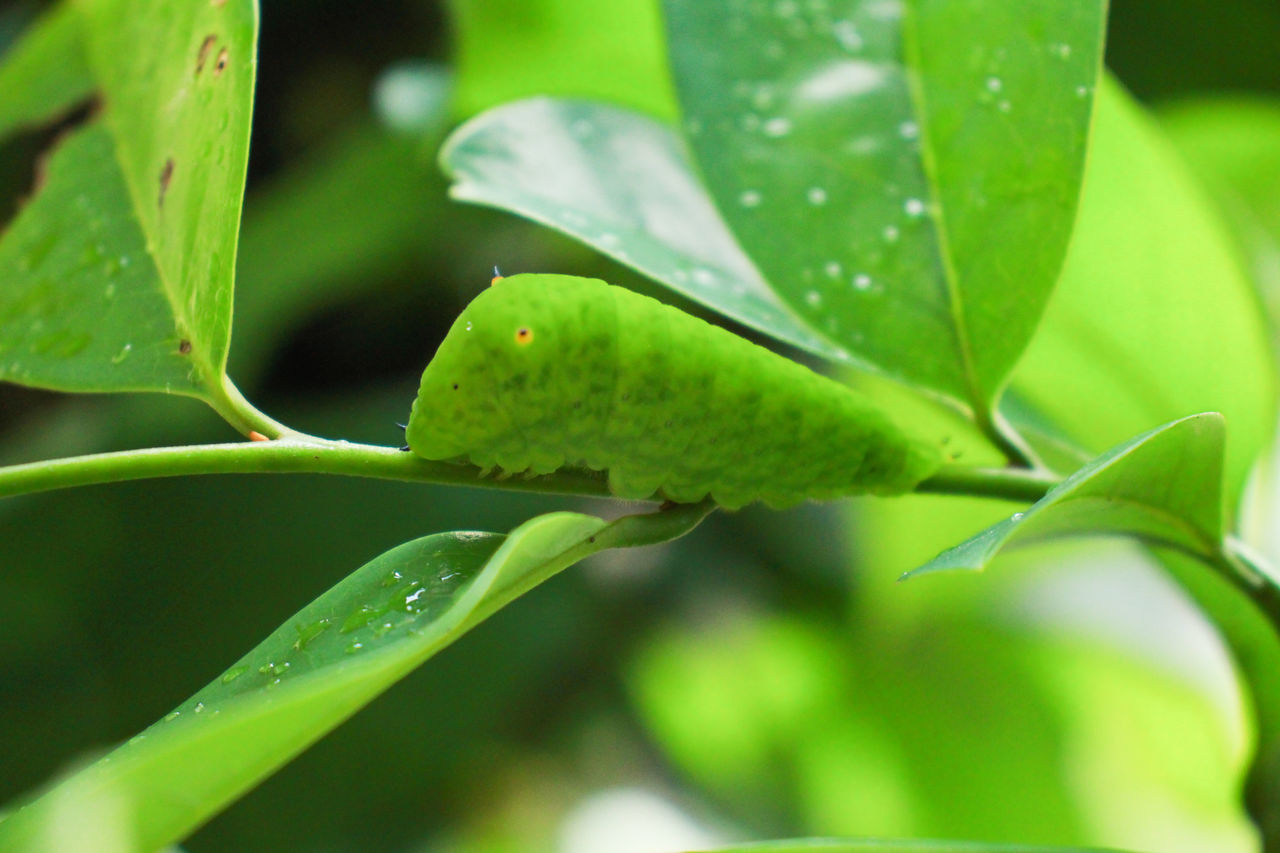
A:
(490, 370)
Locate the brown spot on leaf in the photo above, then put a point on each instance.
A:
(217, 3)
(205, 47)
(254, 435)
(166, 175)
(221, 64)
(184, 346)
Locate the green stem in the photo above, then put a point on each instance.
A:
(318, 456)
(297, 456)
(236, 410)
(1014, 484)
(1006, 439)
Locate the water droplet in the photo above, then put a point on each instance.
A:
(994, 84)
(234, 673)
(1018, 516)
(831, 268)
(862, 281)
(1062, 51)
(891, 233)
(813, 297)
(199, 708)
(274, 669)
(763, 97)
(392, 579)
(353, 648)
(703, 277)
(908, 130)
(1082, 91)
(913, 207)
(307, 633)
(777, 127)
(749, 198)
(1004, 106)
(172, 715)
(123, 354)
(609, 240)
(816, 195)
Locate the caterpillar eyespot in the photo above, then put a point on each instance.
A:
(667, 404)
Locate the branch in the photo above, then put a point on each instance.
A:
(292, 456)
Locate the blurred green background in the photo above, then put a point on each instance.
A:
(764, 677)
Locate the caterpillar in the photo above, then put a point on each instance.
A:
(544, 371)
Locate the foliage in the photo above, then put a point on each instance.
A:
(951, 202)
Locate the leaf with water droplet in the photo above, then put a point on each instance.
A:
(659, 220)
(195, 763)
(960, 215)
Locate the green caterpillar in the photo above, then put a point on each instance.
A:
(544, 371)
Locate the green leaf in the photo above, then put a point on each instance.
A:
(1164, 486)
(930, 154)
(509, 49)
(119, 272)
(82, 307)
(624, 185)
(868, 845)
(179, 113)
(1233, 145)
(1155, 317)
(557, 162)
(321, 666)
(45, 73)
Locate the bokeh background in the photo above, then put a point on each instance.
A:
(764, 677)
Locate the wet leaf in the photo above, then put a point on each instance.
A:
(321, 666)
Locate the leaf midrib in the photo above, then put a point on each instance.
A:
(938, 217)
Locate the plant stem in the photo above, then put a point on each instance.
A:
(297, 456)
(1006, 439)
(236, 410)
(1015, 484)
(319, 456)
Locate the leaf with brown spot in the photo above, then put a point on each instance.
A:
(119, 271)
